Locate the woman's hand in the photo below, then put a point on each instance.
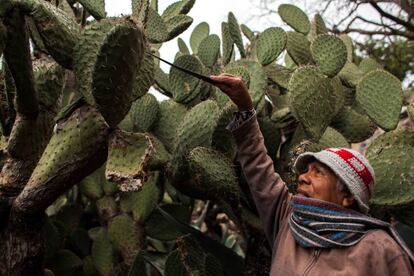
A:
(234, 87)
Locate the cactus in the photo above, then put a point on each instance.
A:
(108, 179)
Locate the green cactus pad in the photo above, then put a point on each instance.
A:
(298, 48)
(155, 28)
(332, 139)
(312, 100)
(295, 18)
(162, 82)
(171, 115)
(106, 208)
(270, 44)
(350, 74)
(116, 66)
(142, 203)
(380, 94)
(126, 236)
(391, 157)
(95, 7)
(258, 80)
(128, 159)
(209, 50)
(368, 64)
(223, 141)
(182, 84)
(240, 71)
(272, 136)
(212, 174)
(235, 33)
(354, 126)
(144, 113)
(49, 82)
(349, 46)
(177, 8)
(329, 53)
(197, 127)
(161, 156)
(227, 46)
(145, 77)
(340, 97)
(91, 186)
(196, 260)
(103, 253)
(317, 27)
(85, 55)
(177, 25)
(140, 9)
(65, 262)
(74, 141)
(182, 46)
(59, 32)
(88, 267)
(247, 32)
(200, 32)
(279, 74)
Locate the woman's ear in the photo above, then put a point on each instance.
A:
(348, 200)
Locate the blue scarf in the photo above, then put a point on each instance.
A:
(321, 224)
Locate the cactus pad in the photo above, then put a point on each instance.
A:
(349, 46)
(144, 113)
(106, 208)
(350, 74)
(91, 186)
(329, 53)
(95, 7)
(142, 203)
(177, 8)
(227, 43)
(59, 31)
(247, 32)
(128, 159)
(103, 253)
(171, 115)
(182, 84)
(391, 157)
(368, 64)
(156, 29)
(298, 48)
(145, 77)
(270, 44)
(197, 127)
(278, 74)
(65, 262)
(117, 63)
(140, 9)
(177, 24)
(312, 100)
(295, 18)
(235, 33)
(354, 126)
(200, 32)
(212, 174)
(209, 50)
(126, 236)
(317, 27)
(240, 71)
(182, 47)
(380, 94)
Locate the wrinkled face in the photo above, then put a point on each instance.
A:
(319, 182)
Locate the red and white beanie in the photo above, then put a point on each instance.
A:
(349, 165)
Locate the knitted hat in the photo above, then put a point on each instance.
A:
(349, 165)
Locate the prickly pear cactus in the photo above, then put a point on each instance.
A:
(131, 184)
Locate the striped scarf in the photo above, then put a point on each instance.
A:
(321, 224)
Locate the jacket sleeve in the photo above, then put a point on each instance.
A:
(268, 190)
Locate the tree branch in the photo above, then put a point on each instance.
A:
(406, 24)
(408, 35)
